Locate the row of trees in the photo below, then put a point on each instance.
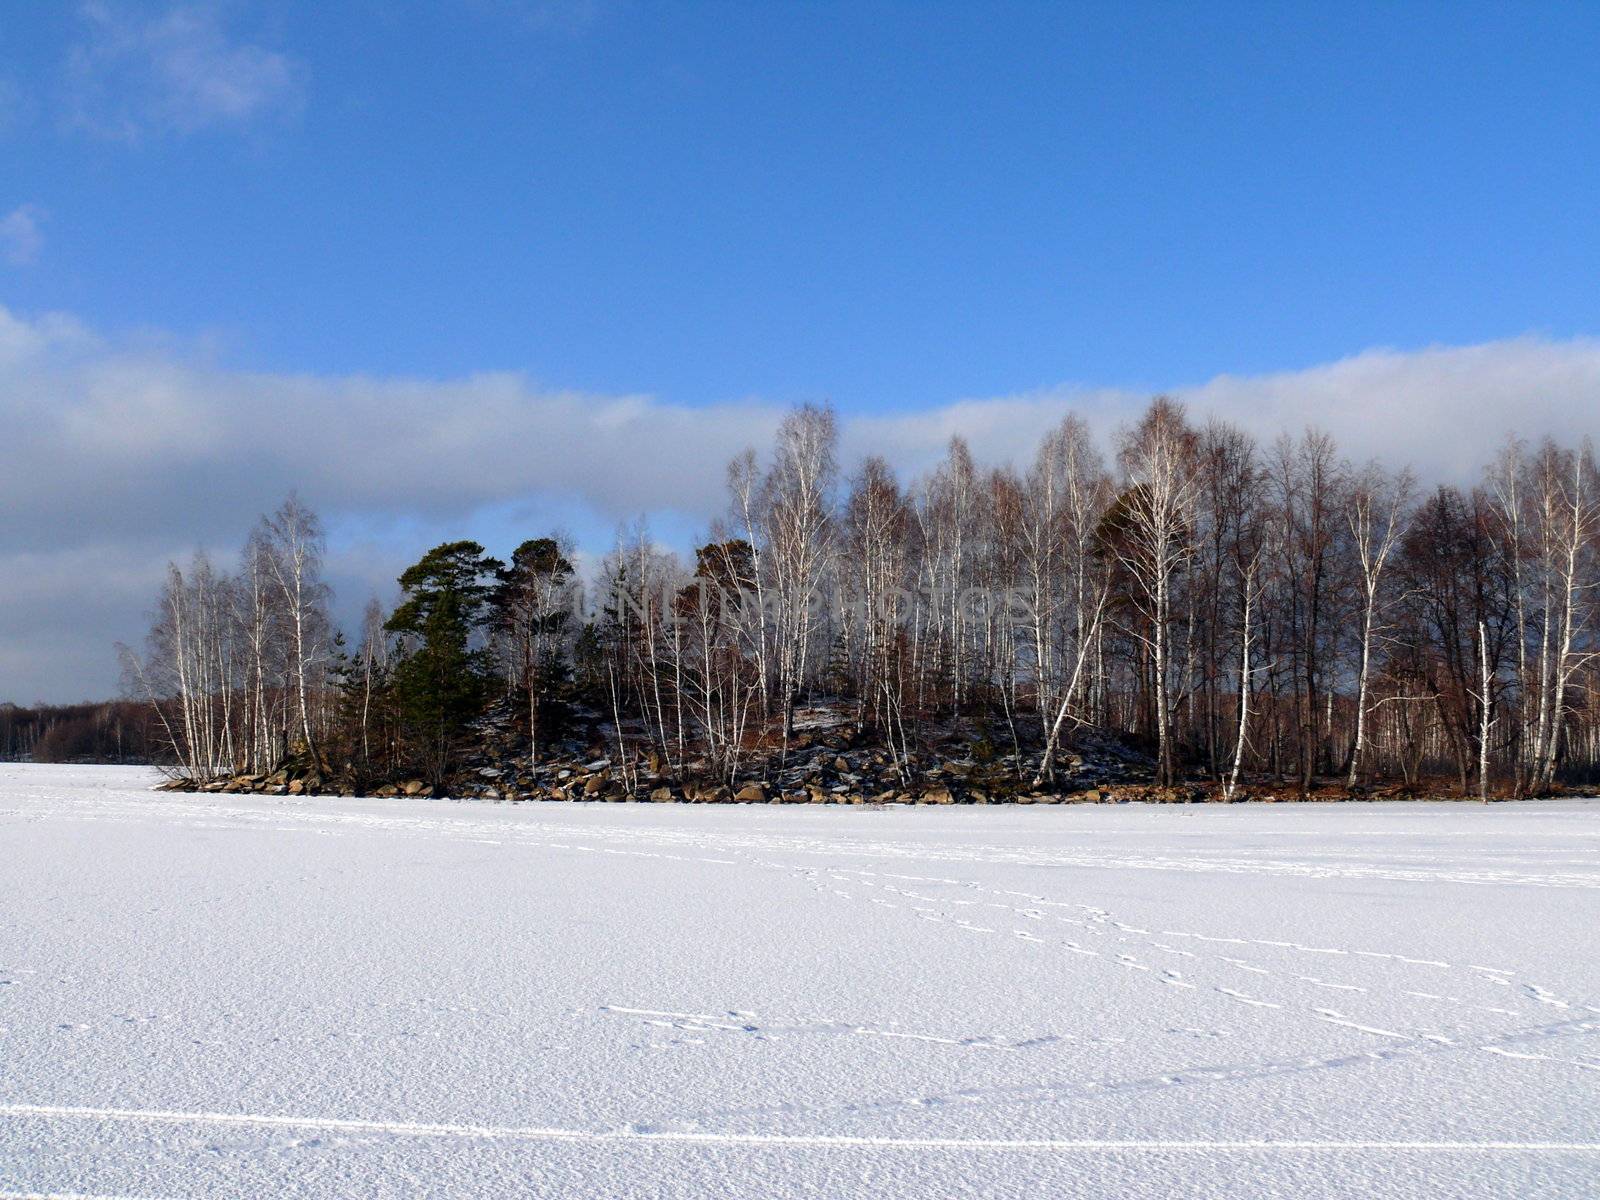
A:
(1249, 610)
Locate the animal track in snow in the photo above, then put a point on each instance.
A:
(763, 1029)
(1099, 922)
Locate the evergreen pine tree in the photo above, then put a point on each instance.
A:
(444, 674)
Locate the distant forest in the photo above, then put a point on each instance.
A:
(113, 732)
(1247, 613)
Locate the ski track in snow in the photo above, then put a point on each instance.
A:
(1216, 986)
(423, 1129)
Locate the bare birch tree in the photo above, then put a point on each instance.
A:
(1377, 511)
(798, 494)
(295, 546)
(1157, 516)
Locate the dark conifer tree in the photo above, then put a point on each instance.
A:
(444, 672)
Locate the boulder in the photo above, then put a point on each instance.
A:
(751, 793)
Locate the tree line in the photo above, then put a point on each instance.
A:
(1246, 611)
(108, 732)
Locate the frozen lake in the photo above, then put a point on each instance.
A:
(250, 996)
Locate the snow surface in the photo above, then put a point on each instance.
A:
(249, 996)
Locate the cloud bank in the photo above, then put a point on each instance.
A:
(120, 454)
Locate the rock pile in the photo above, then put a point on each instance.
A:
(828, 760)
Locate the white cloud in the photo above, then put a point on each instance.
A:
(1443, 410)
(119, 455)
(21, 239)
(176, 72)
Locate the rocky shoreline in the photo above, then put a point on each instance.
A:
(828, 761)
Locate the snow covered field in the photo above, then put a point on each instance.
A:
(246, 996)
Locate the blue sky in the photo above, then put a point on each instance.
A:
(884, 205)
(486, 268)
